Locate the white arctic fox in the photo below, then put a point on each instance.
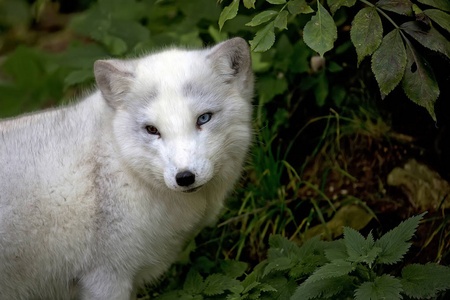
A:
(98, 197)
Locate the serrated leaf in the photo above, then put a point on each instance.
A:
(402, 7)
(281, 20)
(233, 268)
(278, 264)
(276, 1)
(296, 7)
(419, 82)
(312, 246)
(428, 37)
(394, 243)
(441, 4)
(249, 3)
(336, 268)
(323, 288)
(384, 287)
(229, 12)
(320, 32)
(217, 284)
(284, 288)
(439, 17)
(336, 250)
(360, 249)
(355, 243)
(389, 61)
(334, 5)
(307, 265)
(284, 247)
(264, 287)
(366, 32)
(194, 282)
(425, 281)
(264, 39)
(262, 17)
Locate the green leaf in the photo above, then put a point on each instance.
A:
(336, 250)
(281, 20)
(276, 1)
(336, 4)
(296, 7)
(336, 268)
(384, 287)
(216, 34)
(394, 243)
(229, 12)
(441, 4)
(284, 288)
(440, 17)
(233, 268)
(428, 37)
(402, 7)
(264, 39)
(194, 282)
(115, 45)
(366, 32)
(299, 61)
(389, 61)
(217, 284)
(77, 77)
(278, 264)
(284, 247)
(419, 82)
(268, 87)
(320, 32)
(262, 17)
(360, 249)
(425, 281)
(249, 3)
(326, 288)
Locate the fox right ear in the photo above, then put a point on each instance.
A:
(113, 79)
(231, 59)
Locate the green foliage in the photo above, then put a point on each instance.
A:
(392, 62)
(320, 32)
(345, 268)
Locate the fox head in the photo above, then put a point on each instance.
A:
(181, 118)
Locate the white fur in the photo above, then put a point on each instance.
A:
(89, 204)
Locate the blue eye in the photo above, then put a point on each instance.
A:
(205, 118)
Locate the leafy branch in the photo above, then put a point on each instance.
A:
(395, 58)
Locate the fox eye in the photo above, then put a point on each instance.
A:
(205, 118)
(152, 129)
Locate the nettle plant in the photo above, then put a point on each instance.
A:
(350, 268)
(396, 58)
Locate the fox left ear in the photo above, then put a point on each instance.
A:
(231, 59)
(113, 79)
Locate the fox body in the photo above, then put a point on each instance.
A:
(98, 197)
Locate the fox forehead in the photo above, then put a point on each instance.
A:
(176, 83)
(172, 67)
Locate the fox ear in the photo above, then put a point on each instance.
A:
(231, 59)
(113, 79)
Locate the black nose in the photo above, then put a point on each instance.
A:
(185, 178)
